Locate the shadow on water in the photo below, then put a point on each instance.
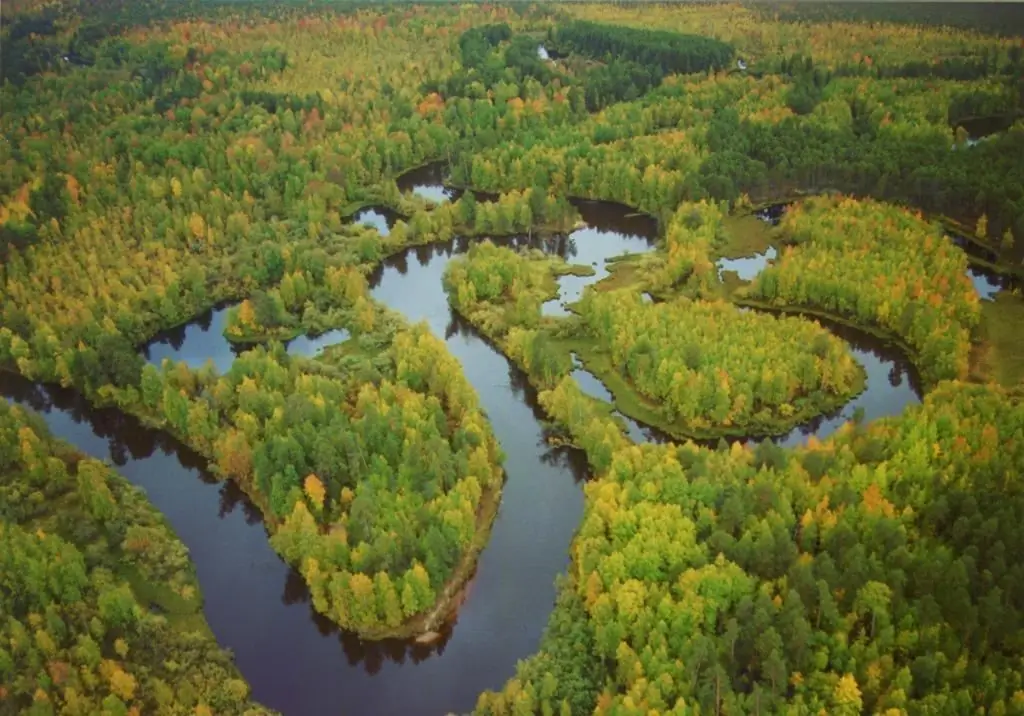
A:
(428, 182)
(196, 342)
(256, 604)
(773, 213)
(749, 267)
(380, 218)
(980, 129)
(986, 281)
(610, 231)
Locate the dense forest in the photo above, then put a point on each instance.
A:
(101, 608)
(869, 574)
(878, 266)
(164, 159)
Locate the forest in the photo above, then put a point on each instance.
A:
(164, 161)
(102, 612)
(690, 362)
(839, 253)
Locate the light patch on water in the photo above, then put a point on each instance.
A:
(748, 267)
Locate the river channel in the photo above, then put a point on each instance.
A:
(259, 608)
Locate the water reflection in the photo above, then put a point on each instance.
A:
(985, 281)
(308, 347)
(196, 342)
(428, 182)
(980, 129)
(748, 267)
(611, 231)
(380, 218)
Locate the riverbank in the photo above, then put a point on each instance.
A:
(629, 401)
(113, 580)
(789, 309)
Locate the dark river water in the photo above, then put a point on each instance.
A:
(258, 607)
(428, 182)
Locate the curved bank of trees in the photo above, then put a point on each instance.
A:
(101, 611)
(878, 266)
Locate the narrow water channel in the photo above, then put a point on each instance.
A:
(891, 385)
(259, 608)
(609, 232)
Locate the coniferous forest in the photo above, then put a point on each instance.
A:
(530, 358)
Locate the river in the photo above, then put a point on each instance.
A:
(258, 606)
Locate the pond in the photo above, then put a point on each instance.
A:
(980, 129)
(202, 340)
(380, 218)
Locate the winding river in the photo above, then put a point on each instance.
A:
(259, 608)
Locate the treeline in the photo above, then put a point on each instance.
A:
(995, 19)
(632, 61)
(862, 575)
(993, 101)
(872, 156)
(879, 266)
(101, 608)
(951, 68)
(493, 55)
(809, 82)
(672, 52)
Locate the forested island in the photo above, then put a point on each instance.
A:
(356, 294)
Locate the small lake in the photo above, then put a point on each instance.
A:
(980, 129)
(202, 341)
(381, 218)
